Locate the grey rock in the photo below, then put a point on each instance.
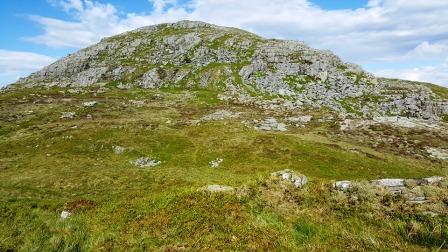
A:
(146, 162)
(215, 163)
(343, 185)
(89, 103)
(118, 150)
(438, 153)
(271, 124)
(298, 180)
(390, 182)
(65, 214)
(68, 115)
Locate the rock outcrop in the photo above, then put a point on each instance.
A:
(199, 55)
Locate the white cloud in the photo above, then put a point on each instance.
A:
(433, 74)
(14, 64)
(14, 61)
(384, 31)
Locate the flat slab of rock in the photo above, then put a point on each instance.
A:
(271, 124)
(389, 182)
(217, 189)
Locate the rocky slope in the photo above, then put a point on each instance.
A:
(199, 55)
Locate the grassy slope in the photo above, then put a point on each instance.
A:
(47, 163)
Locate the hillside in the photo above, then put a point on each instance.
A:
(191, 136)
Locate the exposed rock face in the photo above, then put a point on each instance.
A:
(200, 55)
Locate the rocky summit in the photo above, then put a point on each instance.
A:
(190, 55)
(194, 137)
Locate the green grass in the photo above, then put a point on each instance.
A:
(47, 164)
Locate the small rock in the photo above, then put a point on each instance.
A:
(68, 115)
(271, 124)
(65, 214)
(216, 163)
(343, 185)
(118, 150)
(430, 181)
(389, 182)
(298, 180)
(89, 104)
(144, 162)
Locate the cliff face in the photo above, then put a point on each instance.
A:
(195, 55)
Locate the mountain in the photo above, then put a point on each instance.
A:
(194, 137)
(200, 55)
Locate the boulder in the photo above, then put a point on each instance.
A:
(298, 180)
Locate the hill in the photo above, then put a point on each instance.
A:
(191, 136)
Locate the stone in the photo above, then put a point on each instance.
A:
(217, 189)
(118, 150)
(89, 103)
(215, 163)
(430, 181)
(390, 182)
(298, 180)
(300, 119)
(343, 185)
(146, 162)
(65, 214)
(271, 124)
(67, 115)
(437, 153)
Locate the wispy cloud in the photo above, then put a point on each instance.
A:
(14, 64)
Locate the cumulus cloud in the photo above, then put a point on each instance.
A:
(382, 31)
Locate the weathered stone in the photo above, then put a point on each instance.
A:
(65, 214)
(343, 185)
(271, 124)
(118, 150)
(298, 180)
(68, 115)
(146, 162)
(437, 153)
(215, 163)
(89, 104)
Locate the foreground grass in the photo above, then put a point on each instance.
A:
(49, 164)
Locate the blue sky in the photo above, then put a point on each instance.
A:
(395, 38)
